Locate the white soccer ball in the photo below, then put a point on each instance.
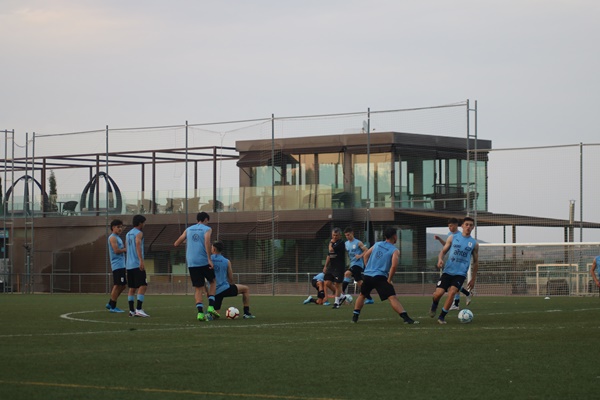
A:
(349, 299)
(232, 313)
(465, 316)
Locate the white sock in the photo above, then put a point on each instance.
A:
(337, 300)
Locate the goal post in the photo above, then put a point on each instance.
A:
(536, 269)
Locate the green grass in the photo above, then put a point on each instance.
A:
(515, 348)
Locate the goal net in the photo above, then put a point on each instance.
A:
(536, 269)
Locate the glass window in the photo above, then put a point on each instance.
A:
(331, 170)
(379, 179)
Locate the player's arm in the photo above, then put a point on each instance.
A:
(326, 265)
(180, 239)
(474, 267)
(395, 258)
(593, 272)
(443, 252)
(115, 245)
(439, 239)
(229, 273)
(364, 250)
(138, 248)
(208, 246)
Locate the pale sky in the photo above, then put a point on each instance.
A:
(81, 65)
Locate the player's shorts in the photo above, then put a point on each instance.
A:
(335, 275)
(450, 280)
(120, 277)
(232, 291)
(136, 278)
(380, 284)
(357, 272)
(200, 275)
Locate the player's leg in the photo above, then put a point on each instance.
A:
(386, 291)
(141, 294)
(209, 275)
(452, 291)
(245, 292)
(347, 280)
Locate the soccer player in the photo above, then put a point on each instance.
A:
(116, 250)
(453, 227)
(224, 278)
(594, 271)
(335, 265)
(197, 255)
(318, 282)
(463, 247)
(381, 262)
(356, 250)
(136, 272)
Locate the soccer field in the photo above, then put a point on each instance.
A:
(70, 347)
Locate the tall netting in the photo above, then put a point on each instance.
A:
(536, 269)
(273, 200)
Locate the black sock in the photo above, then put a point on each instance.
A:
(443, 314)
(247, 310)
(405, 316)
(345, 286)
(139, 304)
(465, 292)
(200, 307)
(112, 303)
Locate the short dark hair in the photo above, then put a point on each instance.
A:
(469, 219)
(336, 230)
(219, 246)
(349, 229)
(202, 216)
(138, 219)
(453, 221)
(115, 222)
(389, 232)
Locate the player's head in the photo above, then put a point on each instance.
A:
(468, 224)
(336, 233)
(218, 247)
(453, 224)
(138, 220)
(116, 224)
(349, 233)
(390, 233)
(202, 217)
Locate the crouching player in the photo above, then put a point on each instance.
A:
(318, 282)
(224, 279)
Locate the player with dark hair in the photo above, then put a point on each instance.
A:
(197, 254)
(116, 250)
(335, 265)
(463, 247)
(136, 272)
(381, 262)
(453, 227)
(224, 278)
(356, 250)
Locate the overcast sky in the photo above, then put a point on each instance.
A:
(80, 65)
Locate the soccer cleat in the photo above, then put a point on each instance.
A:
(208, 317)
(342, 299)
(201, 317)
(116, 310)
(470, 297)
(132, 313)
(108, 307)
(248, 316)
(454, 307)
(213, 313)
(369, 301)
(355, 318)
(327, 303)
(308, 300)
(335, 306)
(441, 321)
(432, 313)
(411, 321)
(141, 313)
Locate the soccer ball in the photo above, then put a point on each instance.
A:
(232, 313)
(349, 299)
(465, 316)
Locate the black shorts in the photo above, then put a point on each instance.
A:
(335, 275)
(231, 292)
(357, 272)
(450, 280)
(136, 278)
(380, 284)
(120, 277)
(200, 274)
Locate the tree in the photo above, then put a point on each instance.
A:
(53, 192)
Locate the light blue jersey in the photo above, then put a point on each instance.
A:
(195, 253)
(380, 260)
(319, 277)
(353, 249)
(597, 266)
(132, 260)
(221, 266)
(117, 261)
(459, 255)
